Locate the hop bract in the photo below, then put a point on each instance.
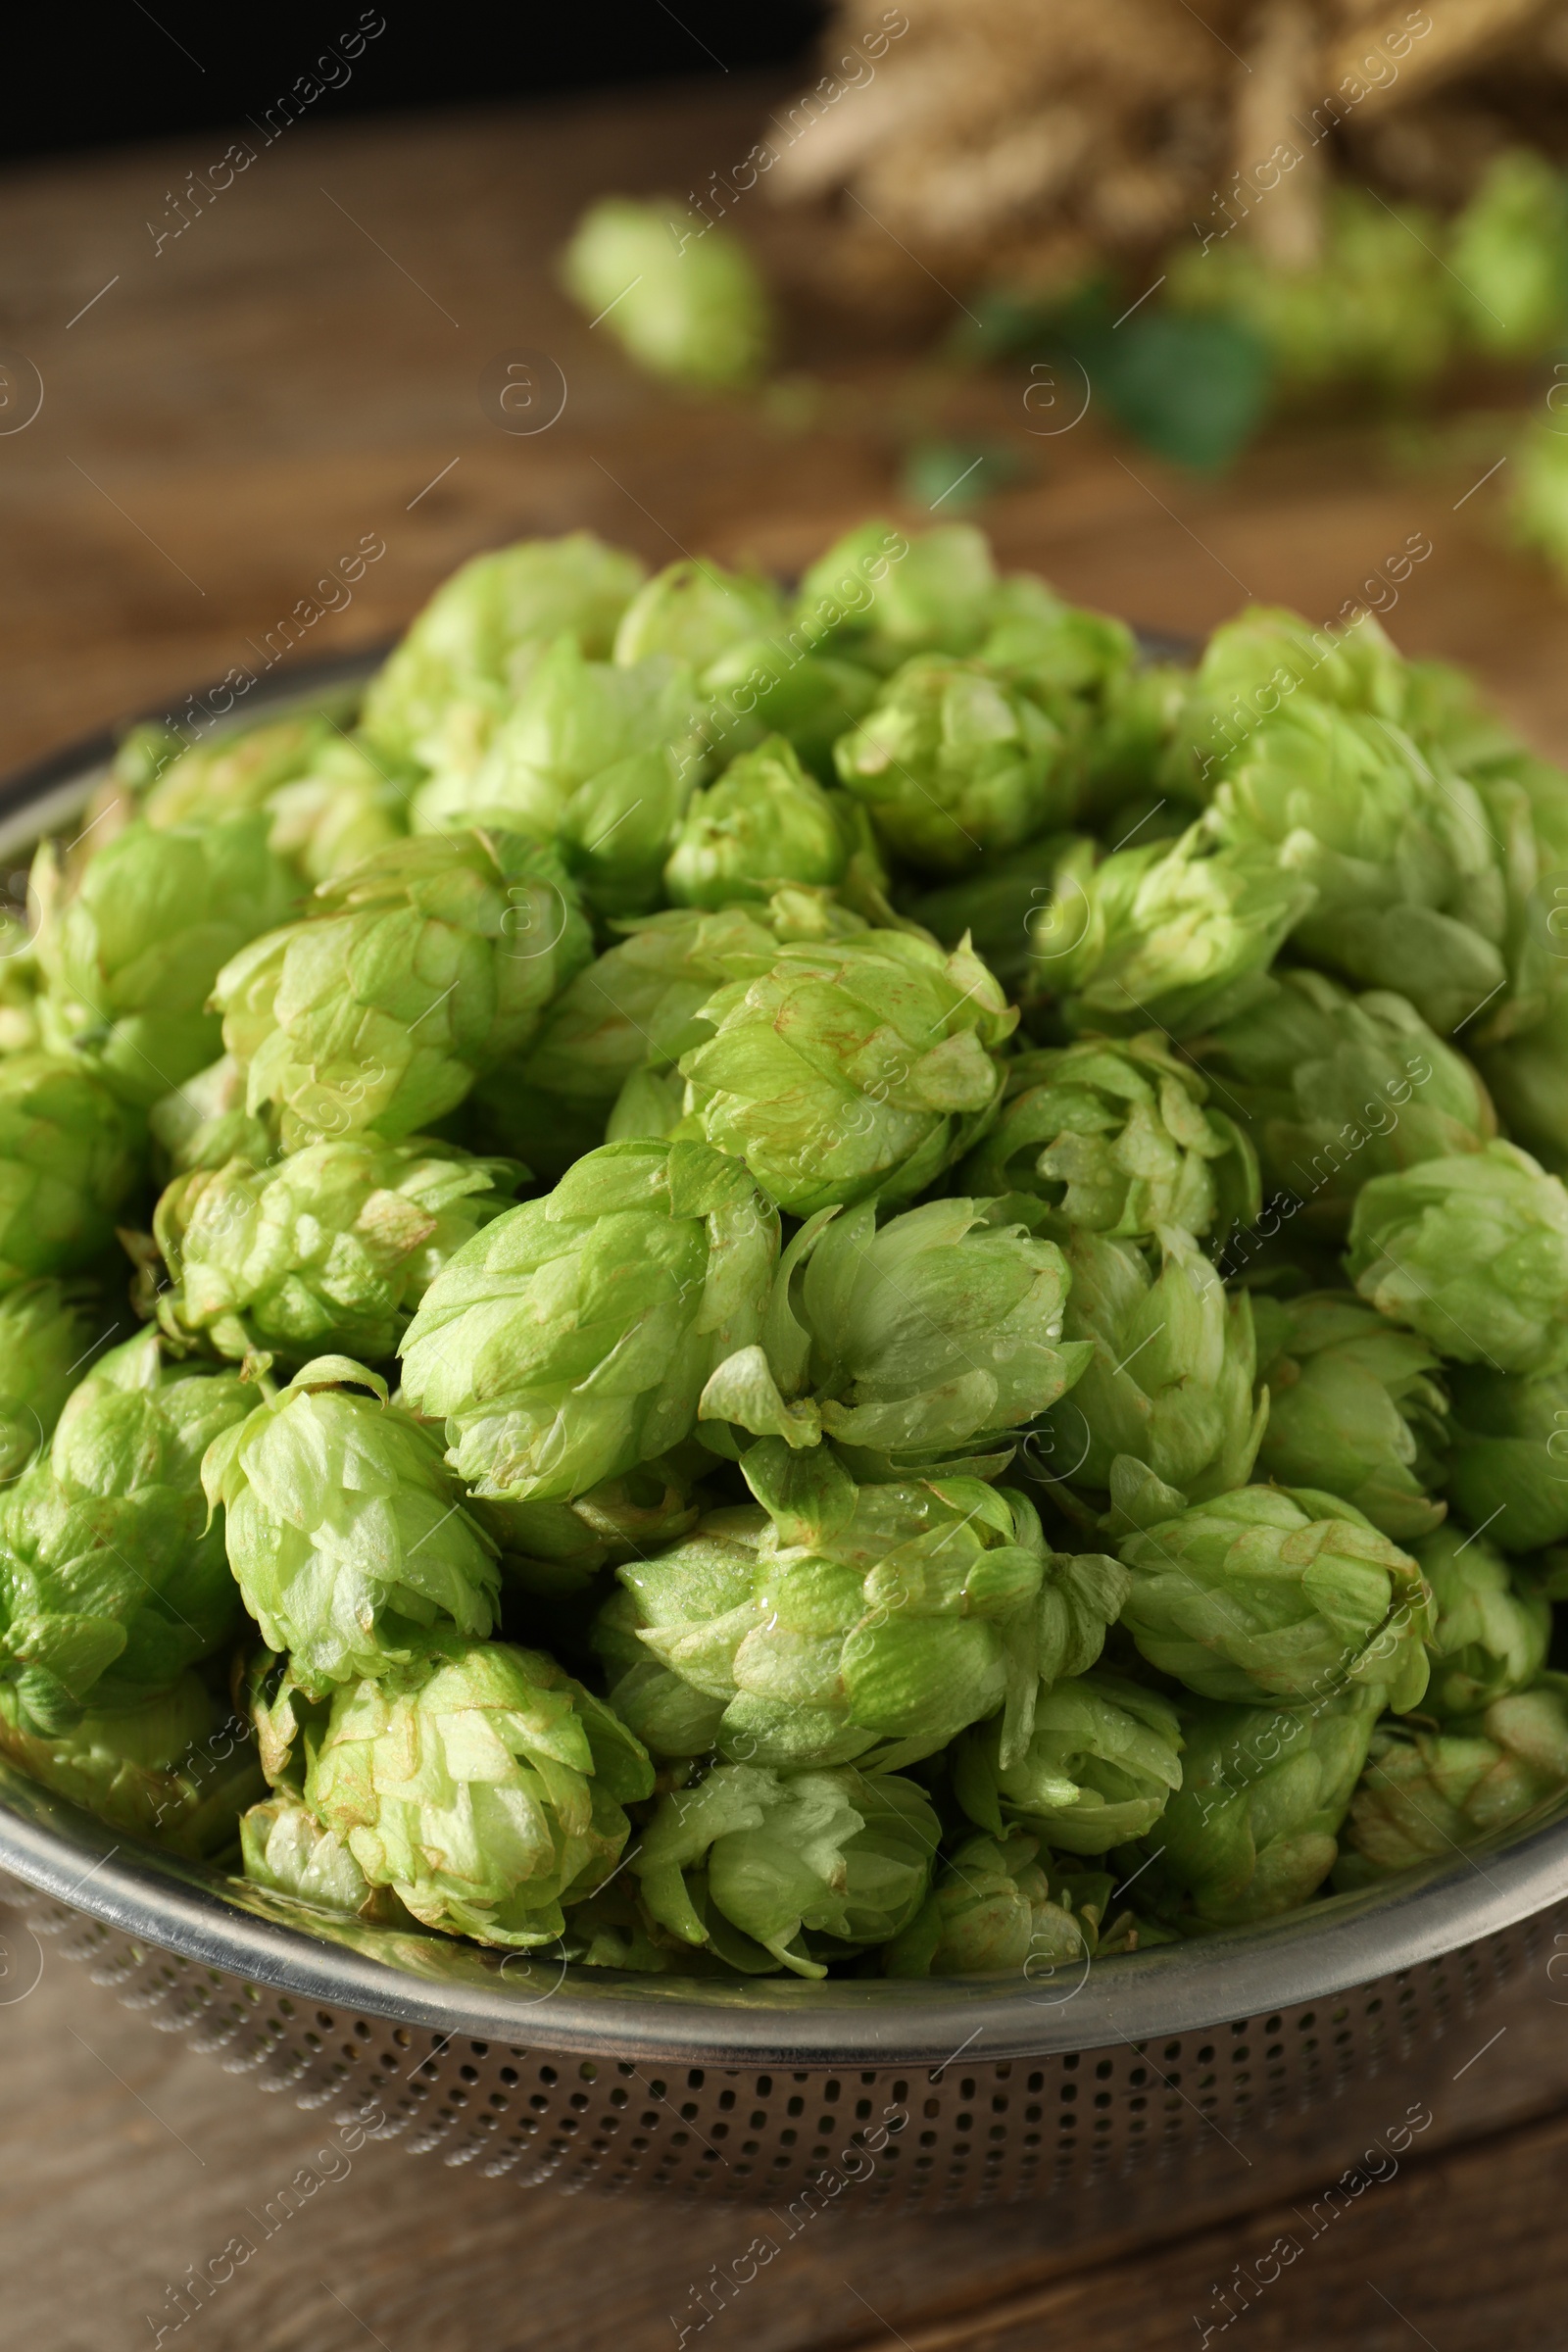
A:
(49, 1332)
(1103, 1758)
(479, 1783)
(329, 1249)
(1118, 1137)
(1472, 1254)
(285, 1847)
(995, 1911)
(132, 946)
(572, 1337)
(344, 1527)
(763, 824)
(775, 1859)
(1271, 1592)
(930, 1343)
(1353, 1404)
(681, 293)
(1253, 1829)
(110, 1565)
(70, 1154)
(169, 1765)
(951, 761)
(1508, 1462)
(430, 963)
(855, 1069)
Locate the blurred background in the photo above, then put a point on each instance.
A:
(1266, 300)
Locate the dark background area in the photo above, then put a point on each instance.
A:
(133, 73)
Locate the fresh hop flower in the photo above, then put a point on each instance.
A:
(1253, 1829)
(169, 1765)
(680, 294)
(285, 1849)
(131, 943)
(926, 1345)
(1277, 1592)
(597, 759)
(218, 777)
(345, 1529)
(758, 1864)
(1508, 1461)
(430, 963)
(1426, 1794)
(1175, 933)
(1103, 1758)
(342, 811)
(205, 1124)
(557, 1548)
(1119, 1137)
(994, 1911)
(1354, 1405)
(481, 1783)
(49, 1332)
(436, 703)
(70, 1154)
(860, 1625)
(1170, 1378)
(329, 803)
(1492, 1627)
(764, 686)
(572, 1337)
(764, 824)
(883, 598)
(1336, 1089)
(112, 1569)
(696, 612)
(330, 1250)
(1473, 1254)
(1524, 1074)
(851, 1070)
(953, 762)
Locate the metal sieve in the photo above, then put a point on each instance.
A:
(1124, 2094)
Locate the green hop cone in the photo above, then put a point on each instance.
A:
(753, 1859)
(1175, 933)
(1170, 1380)
(1353, 1405)
(924, 1346)
(953, 763)
(342, 811)
(571, 1339)
(993, 1912)
(20, 985)
(329, 1250)
(851, 1621)
(767, 823)
(344, 1527)
(284, 1848)
(1336, 1089)
(1115, 1136)
(557, 1548)
(168, 1765)
(1054, 650)
(1511, 239)
(1276, 1592)
(481, 1783)
(1100, 1767)
(1492, 1628)
(328, 801)
(851, 1070)
(1252, 1829)
(1410, 891)
(429, 963)
(598, 759)
(680, 293)
(1524, 1075)
(131, 944)
(49, 1333)
(766, 686)
(70, 1154)
(883, 598)
(1508, 1463)
(1471, 1253)
(696, 612)
(234, 773)
(1255, 663)
(1426, 1795)
(205, 1124)
(111, 1570)
(436, 703)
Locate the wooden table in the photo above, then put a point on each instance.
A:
(226, 417)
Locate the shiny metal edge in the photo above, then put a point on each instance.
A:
(432, 1980)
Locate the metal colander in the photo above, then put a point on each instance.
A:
(1178, 2082)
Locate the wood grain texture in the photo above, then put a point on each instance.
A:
(225, 418)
